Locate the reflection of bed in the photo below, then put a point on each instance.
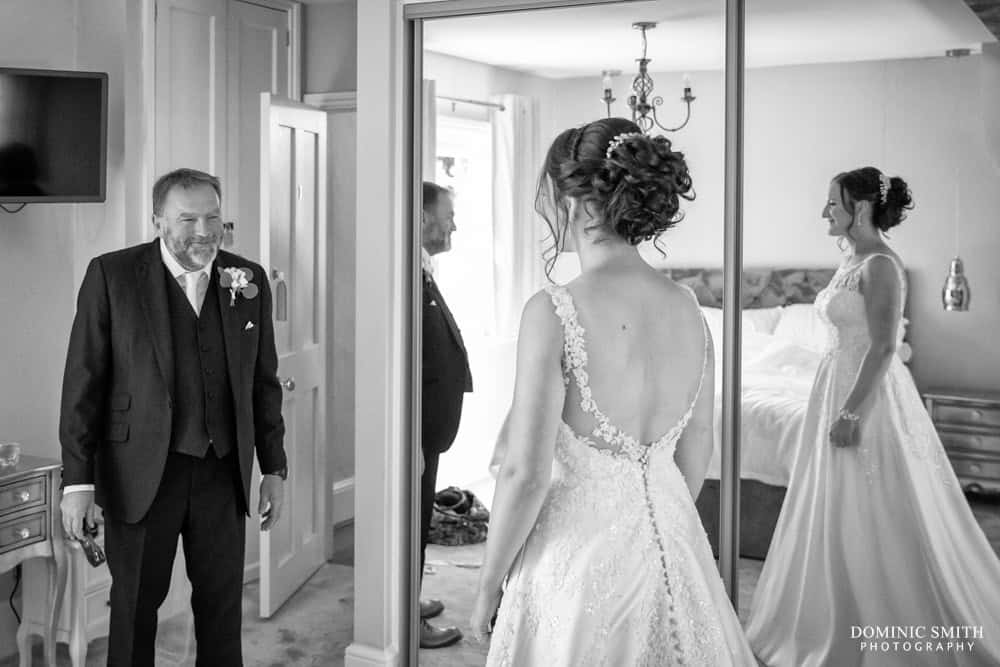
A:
(782, 345)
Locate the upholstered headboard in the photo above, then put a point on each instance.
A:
(767, 288)
(762, 288)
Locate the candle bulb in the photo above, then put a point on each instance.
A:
(606, 81)
(687, 83)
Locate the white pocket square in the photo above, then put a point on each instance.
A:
(248, 327)
(433, 302)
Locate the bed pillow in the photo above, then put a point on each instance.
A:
(762, 320)
(800, 323)
(757, 320)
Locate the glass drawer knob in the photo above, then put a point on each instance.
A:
(23, 496)
(23, 534)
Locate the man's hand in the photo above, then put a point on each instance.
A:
(272, 497)
(77, 507)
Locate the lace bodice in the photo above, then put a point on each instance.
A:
(574, 364)
(841, 307)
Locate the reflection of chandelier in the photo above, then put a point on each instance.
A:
(644, 108)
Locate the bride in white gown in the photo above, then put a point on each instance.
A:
(874, 534)
(594, 526)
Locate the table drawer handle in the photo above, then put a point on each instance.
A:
(977, 414)
(22, 496)
(22, 534)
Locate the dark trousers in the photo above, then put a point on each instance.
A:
(428, 482)
(199, 500)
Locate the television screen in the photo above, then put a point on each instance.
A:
(53, 135)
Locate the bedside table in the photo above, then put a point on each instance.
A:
(968, 424)
(31, 535)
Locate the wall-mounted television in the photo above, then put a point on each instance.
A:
(53, 136)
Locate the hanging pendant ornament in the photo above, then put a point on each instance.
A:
(956, 293)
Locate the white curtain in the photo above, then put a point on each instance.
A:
(518, 231)
(428, 150)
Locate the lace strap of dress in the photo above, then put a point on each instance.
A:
(574, 354)
(575, 363)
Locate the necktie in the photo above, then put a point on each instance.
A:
(195, 287)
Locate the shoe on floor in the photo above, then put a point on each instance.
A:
(431, 608)
(431, 637)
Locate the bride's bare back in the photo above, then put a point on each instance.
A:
(646, 347)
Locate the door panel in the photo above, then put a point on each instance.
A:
(258, 62)
(190, 85)
(293, 215)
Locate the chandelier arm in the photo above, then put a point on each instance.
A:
(687, 117)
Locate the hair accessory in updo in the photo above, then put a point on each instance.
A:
(618, 140)
(883, 187)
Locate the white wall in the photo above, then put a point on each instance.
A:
(44, 249)
(330, 47)
(804, 124)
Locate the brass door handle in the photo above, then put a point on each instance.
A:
(288, 384)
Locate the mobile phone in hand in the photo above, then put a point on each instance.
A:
(95, 555)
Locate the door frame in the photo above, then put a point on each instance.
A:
(388, 313)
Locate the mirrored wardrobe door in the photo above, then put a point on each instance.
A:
(496, 91)
(867, 185)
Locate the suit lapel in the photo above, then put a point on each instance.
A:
(230, 324)
(152, 286)
(452, 325)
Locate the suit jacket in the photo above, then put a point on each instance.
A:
(116, 408)
(446, 374)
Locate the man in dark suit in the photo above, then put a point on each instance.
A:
(446, 378)
(169, 389)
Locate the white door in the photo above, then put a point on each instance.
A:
(191, 86)
(293, 232)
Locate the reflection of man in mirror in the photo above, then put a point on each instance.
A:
(19, 171)
(446, 378)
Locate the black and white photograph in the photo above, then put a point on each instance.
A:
(507, 333)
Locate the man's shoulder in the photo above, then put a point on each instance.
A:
(124, 257)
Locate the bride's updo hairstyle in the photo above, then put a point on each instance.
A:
(633, 182)
(890, 197)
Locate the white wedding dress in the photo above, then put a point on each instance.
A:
(874, 535)
(617, 570)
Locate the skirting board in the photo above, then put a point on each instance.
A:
(343, 501)
(359, 655)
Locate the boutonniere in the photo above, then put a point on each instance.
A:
(238, 282)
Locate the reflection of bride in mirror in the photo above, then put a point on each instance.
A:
(874, 534)
(608, 438)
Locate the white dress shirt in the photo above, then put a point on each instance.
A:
(179, 274)
(427, 262)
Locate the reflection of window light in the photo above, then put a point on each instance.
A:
(465, 274)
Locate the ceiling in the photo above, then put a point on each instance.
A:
(583, 41)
